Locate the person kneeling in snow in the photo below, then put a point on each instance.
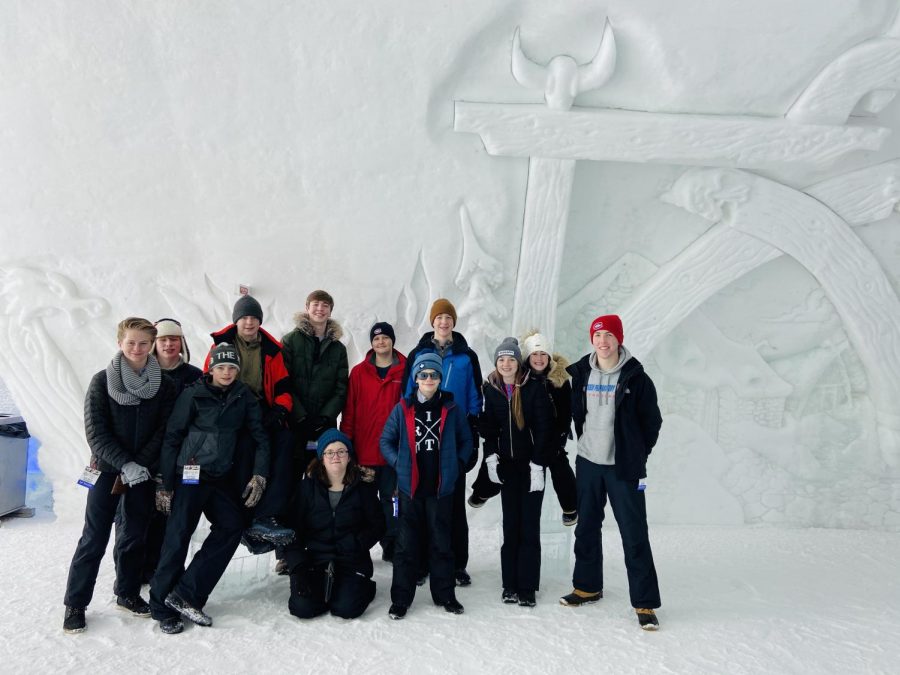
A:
(337, 518)
(201, 447)
(428, 442)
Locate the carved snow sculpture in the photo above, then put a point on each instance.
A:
(37, 370)
(553, 136)
(543, 239)
(792, 222)
(867, 74)
(744, 384)
(723, 254)
(412, 307)
(862, 196)
(562, 79)
(611, 288)
(203, 313)
(479, 274)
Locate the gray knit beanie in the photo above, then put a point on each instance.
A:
(246, 306)
(508, 347)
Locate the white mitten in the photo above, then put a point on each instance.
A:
(537, 477)
(491, 461)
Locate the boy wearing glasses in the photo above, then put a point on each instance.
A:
(427, 441)
(462, 377)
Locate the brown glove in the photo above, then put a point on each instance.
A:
(254, 491)
(163, 501)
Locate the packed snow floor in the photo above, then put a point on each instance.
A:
(735, 600)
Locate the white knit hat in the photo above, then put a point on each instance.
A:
(536, 343)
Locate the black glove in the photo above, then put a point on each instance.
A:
(275, 417)
(476, 439)
(320, 424)
(473, 458)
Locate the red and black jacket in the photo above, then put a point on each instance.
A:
(276, 385)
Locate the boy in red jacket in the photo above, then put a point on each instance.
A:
(374, 389)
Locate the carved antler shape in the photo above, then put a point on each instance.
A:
(562, 79)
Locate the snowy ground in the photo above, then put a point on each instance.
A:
(735, 600)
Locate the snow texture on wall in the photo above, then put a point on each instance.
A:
(724, 175)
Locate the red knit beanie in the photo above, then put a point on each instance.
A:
(607, 322)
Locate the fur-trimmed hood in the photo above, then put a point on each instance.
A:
(558, 375)
(333, 330)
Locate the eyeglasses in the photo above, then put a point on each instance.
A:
(428, 375)
(335, 453)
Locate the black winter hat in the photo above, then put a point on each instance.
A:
(224, 354)
(382, 328)
(246, 306)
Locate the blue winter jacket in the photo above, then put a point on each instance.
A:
(398, 445)
(462, 372)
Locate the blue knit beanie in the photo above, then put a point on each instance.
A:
(428, 361)
(330, 436)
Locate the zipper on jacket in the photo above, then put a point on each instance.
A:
(512, 454)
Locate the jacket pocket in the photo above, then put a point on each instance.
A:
(200, 447)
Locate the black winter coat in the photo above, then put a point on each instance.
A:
(560, 390)
(183, 375)
(118, 434)
(535, 443)
(343, 536)
(204, 427)
(637, 421)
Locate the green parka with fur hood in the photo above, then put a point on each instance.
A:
(318, 369)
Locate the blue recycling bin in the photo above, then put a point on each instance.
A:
(13, 463)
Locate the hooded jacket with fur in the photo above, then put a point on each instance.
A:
(318, 369)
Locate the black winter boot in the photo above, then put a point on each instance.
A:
(172, 625)
(176, 602)
(74, 620)
(136, 605)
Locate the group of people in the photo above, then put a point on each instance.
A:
(281, 446)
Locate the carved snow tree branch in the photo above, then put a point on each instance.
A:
(814, 235)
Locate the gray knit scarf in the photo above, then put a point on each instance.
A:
(126, 387)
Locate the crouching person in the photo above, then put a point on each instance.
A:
(337, 518)
(427, 441)
(198, 464)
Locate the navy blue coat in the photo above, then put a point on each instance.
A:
(398, 445)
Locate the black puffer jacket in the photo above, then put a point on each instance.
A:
(204, 428)
(637, 422)
(118, 434)
(534, 443)
(558, 386)
(343, 536)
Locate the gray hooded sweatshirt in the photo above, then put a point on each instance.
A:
(597, 443)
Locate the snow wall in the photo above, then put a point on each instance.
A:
(723, 174)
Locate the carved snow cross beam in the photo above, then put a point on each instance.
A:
(554, 136)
